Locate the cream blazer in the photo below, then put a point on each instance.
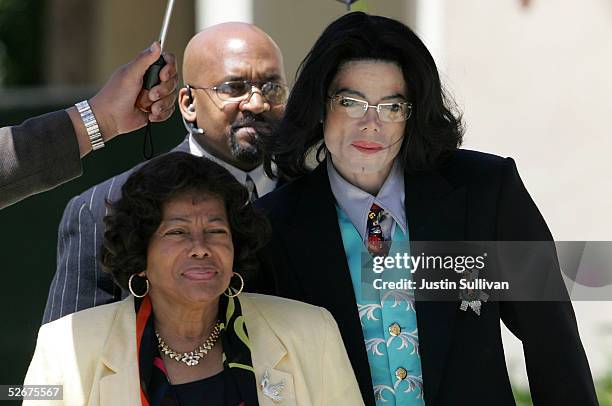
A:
(92, 353)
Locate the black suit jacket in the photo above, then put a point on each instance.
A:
(475, 197)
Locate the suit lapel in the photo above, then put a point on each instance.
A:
(266, 352)
(314, 244)
(435, 212)
(118, 369)
(280, 183)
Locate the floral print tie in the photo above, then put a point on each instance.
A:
(376, 239)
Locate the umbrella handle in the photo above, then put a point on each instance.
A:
(150, 79)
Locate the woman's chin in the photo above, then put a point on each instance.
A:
(201, 292)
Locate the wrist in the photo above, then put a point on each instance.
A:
(106, 124)
(80, 131)
(91, 124)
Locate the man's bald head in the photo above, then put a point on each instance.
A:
(232, 56)
(213, 45)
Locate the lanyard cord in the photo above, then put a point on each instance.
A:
(147, 148)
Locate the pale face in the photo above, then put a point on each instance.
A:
(367, 145)
(190, 255)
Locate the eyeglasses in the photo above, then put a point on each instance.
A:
(236, 91)
(355, 108)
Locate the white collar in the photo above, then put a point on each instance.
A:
(356, 203)
(263, 184)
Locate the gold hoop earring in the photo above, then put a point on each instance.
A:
(132, 290)
(241, 286)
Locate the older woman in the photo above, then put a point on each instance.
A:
(369, 98)
(180, 234)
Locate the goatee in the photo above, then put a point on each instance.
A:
(249, 152)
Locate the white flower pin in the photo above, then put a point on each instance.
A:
(472, 298)
(273, 391)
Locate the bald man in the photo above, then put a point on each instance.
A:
(234, 91)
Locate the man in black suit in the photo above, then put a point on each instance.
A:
(235, 92)
(368, 95)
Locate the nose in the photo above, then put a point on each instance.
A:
(256, 103)
(199, 248)
(370, 121)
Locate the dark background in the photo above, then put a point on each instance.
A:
(28, 229)
(28, 236)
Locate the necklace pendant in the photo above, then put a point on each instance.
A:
(191, 359)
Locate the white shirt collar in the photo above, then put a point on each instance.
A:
(263, 184)
(356, 203)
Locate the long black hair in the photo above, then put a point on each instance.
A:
(434, 130)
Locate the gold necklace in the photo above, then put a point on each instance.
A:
(191, 358)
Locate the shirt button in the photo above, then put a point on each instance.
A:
(395, 329)
(401, 373)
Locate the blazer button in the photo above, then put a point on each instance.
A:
(395, 329)
(401, 373)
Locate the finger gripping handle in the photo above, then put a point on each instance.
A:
(151, 77)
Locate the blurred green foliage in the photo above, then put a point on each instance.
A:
(604, 390)
(21, 42)
(603, 386)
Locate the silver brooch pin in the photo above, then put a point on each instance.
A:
(273, 391)
(472, 298)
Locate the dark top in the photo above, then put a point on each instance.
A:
(215, 390)
(474, 197)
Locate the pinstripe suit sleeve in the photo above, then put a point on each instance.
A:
(79, 282)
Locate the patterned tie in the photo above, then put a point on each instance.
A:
(250, 185)
(376, 239)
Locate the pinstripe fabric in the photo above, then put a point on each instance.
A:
(79, 282)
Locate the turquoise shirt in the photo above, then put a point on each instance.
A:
(389, 324)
